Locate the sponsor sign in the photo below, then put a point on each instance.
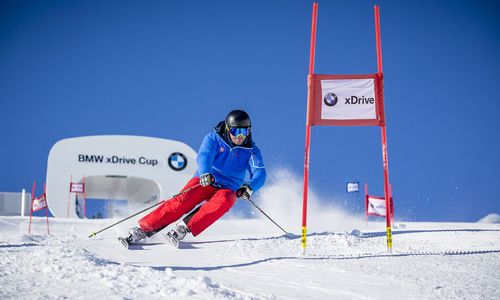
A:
(77, 187)
(39, 203)
(376, 206)
(177, 161)
(352, 187)
(115, 159)
(348, 99)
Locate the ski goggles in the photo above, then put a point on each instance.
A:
(237, 131)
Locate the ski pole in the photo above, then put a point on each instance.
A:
(156, 204)
(287, 233)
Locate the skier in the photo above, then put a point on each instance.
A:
(225, 156)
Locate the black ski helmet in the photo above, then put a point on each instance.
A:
(238, 118)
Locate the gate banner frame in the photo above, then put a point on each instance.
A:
(313, 117)
(315, 110)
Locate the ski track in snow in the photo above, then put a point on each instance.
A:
(429, 260)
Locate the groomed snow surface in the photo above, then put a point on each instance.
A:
(248, 259)
(346, 258)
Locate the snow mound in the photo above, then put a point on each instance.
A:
(491, 219)
(60, 266)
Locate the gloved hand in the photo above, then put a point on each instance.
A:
(244, 192)
(206, 179)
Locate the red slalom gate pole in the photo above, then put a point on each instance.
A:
(84, 199)
(391, 199)
(308, 127)
(31, 204)
(366, 203)
(46, 206)
(69, 195)
(384, 137)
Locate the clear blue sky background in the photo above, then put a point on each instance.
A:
(172, 69)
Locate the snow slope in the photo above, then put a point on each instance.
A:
(248, 259)
(252, 259)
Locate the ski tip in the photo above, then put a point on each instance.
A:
(92, 234)
(175, 242)
(124, 242)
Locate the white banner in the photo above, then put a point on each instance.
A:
(352, 187)
(376, 206)
(77, 187)
(348, 99)
(39, 203)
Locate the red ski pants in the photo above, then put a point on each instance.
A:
(218, 202)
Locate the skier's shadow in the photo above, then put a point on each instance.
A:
(145, 246)
(286, 236)
(187, 246)
(320, 258)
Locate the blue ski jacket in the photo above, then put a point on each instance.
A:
(229, 163)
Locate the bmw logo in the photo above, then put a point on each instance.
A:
(330, 99)
(177, 161)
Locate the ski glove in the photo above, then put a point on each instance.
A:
(244, 192)
(206, 179)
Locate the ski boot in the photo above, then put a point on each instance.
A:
(134, 235)
(177, 234)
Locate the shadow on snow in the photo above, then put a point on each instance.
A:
(338, 257)
(383, 233)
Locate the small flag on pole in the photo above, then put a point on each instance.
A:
(39, 203)
(352, 187)
(77, 187)
(376, 206)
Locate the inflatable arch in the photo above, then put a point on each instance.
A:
(127, 173)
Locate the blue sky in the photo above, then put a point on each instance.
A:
(172, 69)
